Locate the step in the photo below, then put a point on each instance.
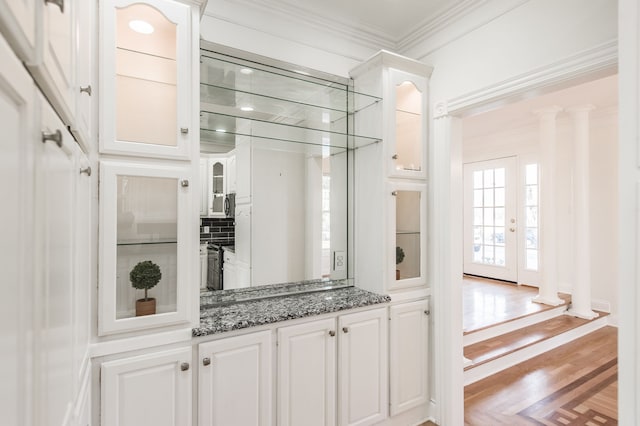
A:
(503, 351)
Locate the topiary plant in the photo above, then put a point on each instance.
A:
(399, 255)
(145, 275)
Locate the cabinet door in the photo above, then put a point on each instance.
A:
(152, 389)
(216, 175)
(231, 174)
(84, 87)
(17, 93)
(56, 177)
(409, 355)
(407, 135)
(145, 84)
(235, 381)
(204, 187)
(307, 374)
(363, 367)
(52, 66)
(146, 215)
(408, 224)
(18, 26)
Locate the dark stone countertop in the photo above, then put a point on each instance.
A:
(238, 315)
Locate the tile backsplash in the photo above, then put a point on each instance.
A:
(221, 230)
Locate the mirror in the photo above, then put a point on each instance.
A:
(275, 153)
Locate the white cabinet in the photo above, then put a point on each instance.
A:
(235, 381)
(146, 79)
(17, 115)
(18, 25)
(307, 374)
(409, 355)
(153, 389)
(145, 217)
(218, 180)
(310, 354)
(390, 177)
(231, 174)
(362, 367)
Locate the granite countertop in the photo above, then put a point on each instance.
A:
(238, 315)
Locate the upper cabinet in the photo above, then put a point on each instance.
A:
(146, 81)
(53, 38)
(391, 177)
(407, 136)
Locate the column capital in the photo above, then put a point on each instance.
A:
(440, 109)
(548, 112)
(580, 108)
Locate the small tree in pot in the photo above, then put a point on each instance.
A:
(143, 276)
(399, 259)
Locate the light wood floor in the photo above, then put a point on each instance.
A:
(575, 384)
(488, 302)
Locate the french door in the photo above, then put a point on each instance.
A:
(490, 219)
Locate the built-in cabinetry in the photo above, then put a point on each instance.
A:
(46, 230)
(235, 380)
(151, 389)
(391, 197)
(309, 355)
(148, 164)
(390, 177)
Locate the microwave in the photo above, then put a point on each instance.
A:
(230, 205)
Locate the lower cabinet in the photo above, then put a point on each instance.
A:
(235, 381)
(153, 390)
(312, 355)
(409, 356)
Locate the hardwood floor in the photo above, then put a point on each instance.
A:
(487, 302)
(575, 384)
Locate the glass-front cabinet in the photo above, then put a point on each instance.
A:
(144, 230)
(145, 84)
(407, 209)
(407, 137)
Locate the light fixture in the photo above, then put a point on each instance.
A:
(221, 130)
(140, 26)
(246, 108)
(301, 72)
(246, 71)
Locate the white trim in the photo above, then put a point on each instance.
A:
(148, 341)
(492, 367)
(598, 61)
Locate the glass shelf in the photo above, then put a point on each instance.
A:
(239, 75)
(144, 243)
(224, 129)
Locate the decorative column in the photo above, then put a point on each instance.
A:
(547, 217)
(581, 292)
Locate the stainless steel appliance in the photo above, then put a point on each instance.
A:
(214, 267)
(230, 205)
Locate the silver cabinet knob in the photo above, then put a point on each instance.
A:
(345, 329)
(53, 137)
(394, 156)
(512, 229)
(184, 130)
(332, 333)
(86, 171)
(59, 3)
(206, 361)
(86, 90)
(394, 193)
(184, 183)
(184, 366)
(427, 312)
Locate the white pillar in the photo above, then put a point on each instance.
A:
(548, 290)
(581, 292)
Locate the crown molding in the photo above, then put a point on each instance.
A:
(598, 61)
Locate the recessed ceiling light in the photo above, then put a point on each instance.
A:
(140, 26)
(246, 71)
(246, 108)
(301, 72)
(221, 130)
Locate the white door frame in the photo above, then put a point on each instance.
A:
(446, 222)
